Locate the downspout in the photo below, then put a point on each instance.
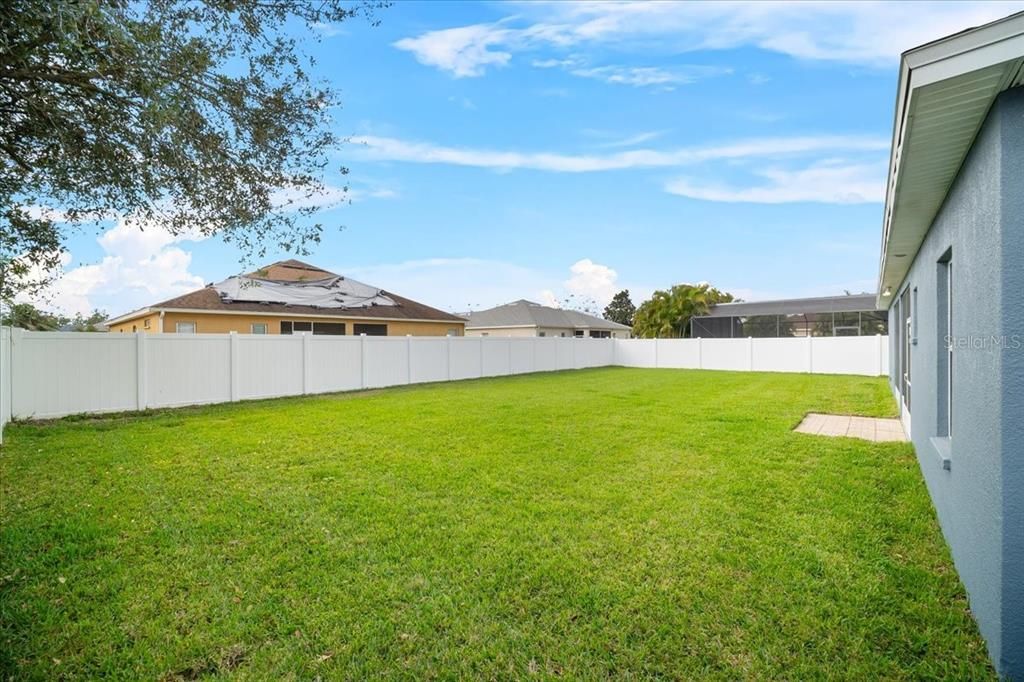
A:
(161, 322)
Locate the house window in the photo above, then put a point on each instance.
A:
(185, 327)
(600, 334)
(329, 329)
(315, 328)
(453, 332)
(485, 333)
(905, 345)
(578, 333)
(542, 333)
(134, 328)
(258, 328)
(944, 292)
(371, 329)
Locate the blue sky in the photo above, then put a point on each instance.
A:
(532, 150)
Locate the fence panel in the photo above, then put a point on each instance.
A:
(269, 365)
(337, 363)
(780, 355)
(546, 355)
(846, 355)
(523, 352)
(731, 354)
(496, 356)
(387, 361)
(187, 369)
(679, 353)
(635, 352)
(60, 373)
(429, 359)
(564, 350)
(466, 357)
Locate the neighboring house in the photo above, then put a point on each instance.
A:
(291, 297)
(526, 318)
(856, 315)
(952, 279)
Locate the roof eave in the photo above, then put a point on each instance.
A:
(989, 47)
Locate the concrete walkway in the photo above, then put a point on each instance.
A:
(867, 428)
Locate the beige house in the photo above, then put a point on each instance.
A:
(290, 297)
(526, 318)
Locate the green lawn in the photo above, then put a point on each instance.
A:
(600, 523)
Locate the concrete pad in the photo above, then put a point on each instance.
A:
(865, 428)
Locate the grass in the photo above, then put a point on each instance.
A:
(600, 523)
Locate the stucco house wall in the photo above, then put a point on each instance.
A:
(980, 498)
(214, 323)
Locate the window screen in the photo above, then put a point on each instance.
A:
(370, 329)
(329, 328)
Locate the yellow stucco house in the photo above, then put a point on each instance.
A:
(290, 297)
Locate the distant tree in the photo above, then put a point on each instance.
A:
(184, 116)
(621, 309)
(91, 323)
(27, 316)
(667, 314)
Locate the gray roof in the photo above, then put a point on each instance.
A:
(796, 306)
(525, 313)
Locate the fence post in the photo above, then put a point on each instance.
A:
(572, 348)
(700, 353)
(448, 356)
(509, 342)
(408, 358)
(482, 356)
(878, 356)
(656, 361)
(233, 364)
(140, 370)
(362, 360)
(750, 353)
(810, 354)
(307, 365)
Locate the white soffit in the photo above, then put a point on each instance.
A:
(945, 91)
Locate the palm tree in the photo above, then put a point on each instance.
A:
(667, 314)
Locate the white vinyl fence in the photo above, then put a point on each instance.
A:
(54, 374)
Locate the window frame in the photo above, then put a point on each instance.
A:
(254, 325)
(193, 324)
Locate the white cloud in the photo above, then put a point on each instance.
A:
(394, 149)
(630, 141)
(462, 51)
(646, 76)
(869, 33)
(592, 280)
(329, 30)
(832, 183)
(142, 265)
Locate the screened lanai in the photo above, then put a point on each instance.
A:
(825, 316)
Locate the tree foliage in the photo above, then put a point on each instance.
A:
(667, 314)
(27, 316)
(621, 309)
(188, 116)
